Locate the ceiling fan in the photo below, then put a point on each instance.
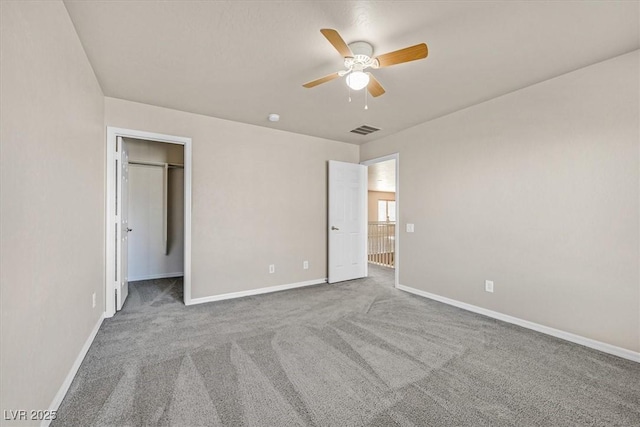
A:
(358, 57)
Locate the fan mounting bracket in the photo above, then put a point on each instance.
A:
(362, 56)
(361, 48)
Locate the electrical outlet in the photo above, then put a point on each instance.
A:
(410, 228)
(488, 285)
(93, 300)
(272, 268)
(305, 265)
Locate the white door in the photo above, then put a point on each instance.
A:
(347, 221)
(122, 212)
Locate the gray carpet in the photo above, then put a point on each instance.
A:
(352, 354)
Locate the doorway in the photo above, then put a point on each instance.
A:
(382, 215)
(148, 229)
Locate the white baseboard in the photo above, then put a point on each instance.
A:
(255, 291)
(587, 342)
(57, 400)
(155, 276)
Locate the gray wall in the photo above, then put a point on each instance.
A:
(52, 201)
(259, 197)
(537, 190)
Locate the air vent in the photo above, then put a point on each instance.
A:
(364, 130)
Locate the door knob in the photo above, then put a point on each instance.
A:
(129, 229)
(334, 228)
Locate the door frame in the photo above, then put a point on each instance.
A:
(396, 256)
(110, 216)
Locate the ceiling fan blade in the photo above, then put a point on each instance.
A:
(374, 87)
(336, 40)
(321, 80)
(419, 51)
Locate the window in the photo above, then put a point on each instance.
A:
(386, 210)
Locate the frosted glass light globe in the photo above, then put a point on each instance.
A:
(357, 80)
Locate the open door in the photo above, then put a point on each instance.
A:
(347, 221)
(122, 223)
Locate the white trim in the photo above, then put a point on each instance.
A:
(567, 336)
(57, 400)
(112, 134)
(364, 206)
(393, 156)
(156, 276)
(187, 222)
(396, 255)
(258, 291)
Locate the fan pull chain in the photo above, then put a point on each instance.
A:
(349, 87)
(366, 92)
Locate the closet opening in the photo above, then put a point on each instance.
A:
(148, 221)
(155, 223)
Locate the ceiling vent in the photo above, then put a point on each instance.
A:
(364, 130)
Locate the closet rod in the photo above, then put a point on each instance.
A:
(171, 165)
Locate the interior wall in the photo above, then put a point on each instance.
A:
(537, 190)
(52, 157)
(153, 151)
(259, 197)
(148, 256)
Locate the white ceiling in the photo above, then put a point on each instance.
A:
(382, 176)
(241, 60)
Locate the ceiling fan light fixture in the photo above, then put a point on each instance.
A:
(358, 56)
(357, 80)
